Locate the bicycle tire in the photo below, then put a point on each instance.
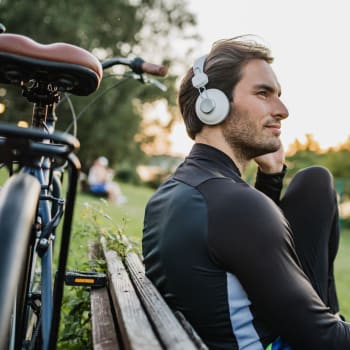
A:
(18, 203)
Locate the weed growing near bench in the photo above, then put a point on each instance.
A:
(94, 223)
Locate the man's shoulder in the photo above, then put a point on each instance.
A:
(236, 199)
(174, 189)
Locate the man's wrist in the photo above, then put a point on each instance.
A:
(280, 170)
(272, 170)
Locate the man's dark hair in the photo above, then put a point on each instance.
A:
(223, 66)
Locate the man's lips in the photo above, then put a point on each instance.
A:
(276, 127)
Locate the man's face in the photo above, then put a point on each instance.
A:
(253, 127)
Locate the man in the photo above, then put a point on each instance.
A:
(248, 270)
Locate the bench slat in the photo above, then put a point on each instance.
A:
(191, 332)
(135, 328)
(170, 331)
(103, 331)
(104, 335)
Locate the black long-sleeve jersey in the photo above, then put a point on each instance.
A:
(222, 253)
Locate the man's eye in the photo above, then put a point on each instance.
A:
(262, 93)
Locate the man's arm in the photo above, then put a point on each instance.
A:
(271, 171)
(257, 247)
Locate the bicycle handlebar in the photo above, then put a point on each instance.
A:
(137, 65)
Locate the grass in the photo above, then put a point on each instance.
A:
(342, 273)
(132, 211)
(129, 216)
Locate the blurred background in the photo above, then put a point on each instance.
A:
(138, 127)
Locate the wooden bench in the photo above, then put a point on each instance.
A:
(131, 314)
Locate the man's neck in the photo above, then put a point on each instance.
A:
(215, 139)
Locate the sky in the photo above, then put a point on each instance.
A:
(310, 42)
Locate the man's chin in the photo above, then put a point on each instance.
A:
(273, 146)
(266, 149)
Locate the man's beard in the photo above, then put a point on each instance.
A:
(243, 140)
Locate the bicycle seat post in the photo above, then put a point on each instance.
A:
(51, 117)
(44, 96)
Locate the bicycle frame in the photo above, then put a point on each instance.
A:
(44, 153)
(43, 172)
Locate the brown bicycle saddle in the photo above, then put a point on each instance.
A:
(67, 67)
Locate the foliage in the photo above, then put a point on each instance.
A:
(250, 173)
(130, 213)
(108, 28)
(105, 226)
(94, 222)
(310, 144)
(75, 332)
(303, 159)
(337, 161)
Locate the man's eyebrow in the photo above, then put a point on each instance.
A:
(268, 88)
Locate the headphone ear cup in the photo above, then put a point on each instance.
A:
(212, 107)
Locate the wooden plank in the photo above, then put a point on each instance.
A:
(104, 335)
(190, 331)
(135, 329)
(170, 331)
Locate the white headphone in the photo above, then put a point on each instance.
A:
(212, 105)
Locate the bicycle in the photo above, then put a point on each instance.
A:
(31, 203)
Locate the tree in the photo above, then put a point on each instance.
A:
(310, 145)
(106, 28)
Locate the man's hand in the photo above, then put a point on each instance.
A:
(271, 163)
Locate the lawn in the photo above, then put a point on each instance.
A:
(342, 273)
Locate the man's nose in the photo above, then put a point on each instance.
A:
(281, 110)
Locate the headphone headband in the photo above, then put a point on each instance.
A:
(199, 63)
(200, 79)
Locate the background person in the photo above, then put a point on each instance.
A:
(249, 270)
(100, 180)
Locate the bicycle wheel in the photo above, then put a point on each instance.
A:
(18, 203)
